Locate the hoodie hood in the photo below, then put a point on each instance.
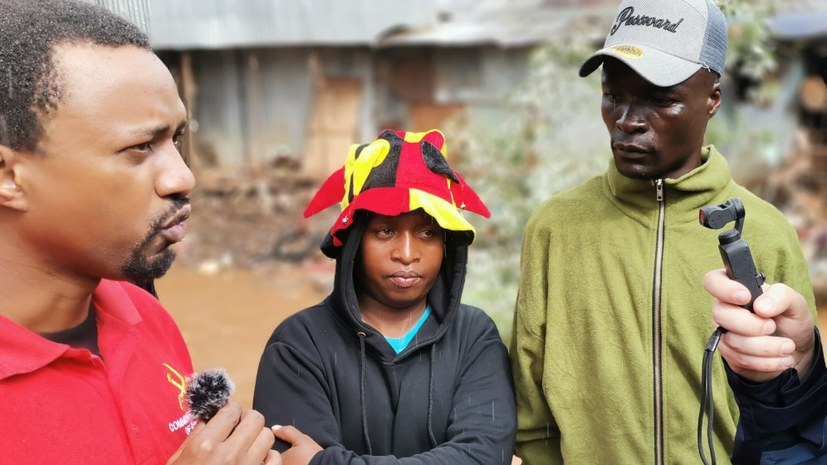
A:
(444, 297)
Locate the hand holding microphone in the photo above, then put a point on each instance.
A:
(208, 391)
(226, 434)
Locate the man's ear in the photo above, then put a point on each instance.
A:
(713, 102)
(11, 193)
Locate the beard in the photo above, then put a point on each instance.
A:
(140, 268)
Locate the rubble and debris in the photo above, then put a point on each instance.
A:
(799, 188)
(240, 216)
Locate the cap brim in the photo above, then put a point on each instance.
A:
(659, 68)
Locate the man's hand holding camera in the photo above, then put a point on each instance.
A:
(759, 346)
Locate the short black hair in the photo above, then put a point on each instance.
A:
(29, 83)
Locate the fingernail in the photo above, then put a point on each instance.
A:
(743, 296)
(769, 328)
(275, 427)
(788, 362)
(787, 348)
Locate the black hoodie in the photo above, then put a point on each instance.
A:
(448, 398)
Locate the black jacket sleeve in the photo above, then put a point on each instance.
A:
(783, 419)
(290, 387)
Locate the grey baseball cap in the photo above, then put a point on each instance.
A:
(665, 41)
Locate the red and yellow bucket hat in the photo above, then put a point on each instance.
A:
(397, 173)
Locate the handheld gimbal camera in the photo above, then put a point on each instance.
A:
(734, 249)
(740, 267)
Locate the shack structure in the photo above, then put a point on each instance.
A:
(301, 80)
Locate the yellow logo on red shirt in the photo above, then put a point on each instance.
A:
(179, 382)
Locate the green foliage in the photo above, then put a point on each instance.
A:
(547, 137)
(751, 49)
(746, 130)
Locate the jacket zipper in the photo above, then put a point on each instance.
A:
(656, 324)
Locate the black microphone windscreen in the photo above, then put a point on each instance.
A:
(208, 391)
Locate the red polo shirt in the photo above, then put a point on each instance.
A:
(68, 406)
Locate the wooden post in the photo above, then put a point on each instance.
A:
(189, 91)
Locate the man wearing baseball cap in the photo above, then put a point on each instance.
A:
(611, 318)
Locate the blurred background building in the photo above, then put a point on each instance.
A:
(279, 89)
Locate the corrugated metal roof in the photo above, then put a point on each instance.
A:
(212, 24)
(799, 25)
(513, 23)
(136, 11)
(526, 22)
(800, 19)
(216, 24)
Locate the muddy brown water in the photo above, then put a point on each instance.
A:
(227, 317)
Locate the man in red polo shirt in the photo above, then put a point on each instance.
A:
(93, 191)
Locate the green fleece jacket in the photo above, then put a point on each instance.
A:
(612, 320)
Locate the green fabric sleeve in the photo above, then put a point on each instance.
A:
(538, 438)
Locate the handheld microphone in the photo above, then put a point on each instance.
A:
(208, 391)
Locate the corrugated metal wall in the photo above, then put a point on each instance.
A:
(136, 11)
(218, 111)
(253, 105)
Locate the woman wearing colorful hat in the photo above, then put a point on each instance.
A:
(391, 364)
